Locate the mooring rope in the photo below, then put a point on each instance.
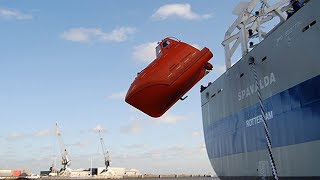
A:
(263, 112)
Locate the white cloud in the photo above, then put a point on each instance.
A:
(138, 146)
(170, 118)
(145, 52)
(19, 135)
(14, 14)
(169, 152)
(179, 10)
(82, 143)
(196, 133)
(133, 127)
(169, 159)
(85, 35)
(98, 129)
(118, 95)
(177, 149)
(42, 133)
(219, 69)
(120, 34)
(15, 136)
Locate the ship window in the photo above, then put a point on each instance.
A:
(158, 51)
(241, 75)
(213, 95)
(207, 95)
(263, 59)
(165, 44)
(309, 25)
(220, 90)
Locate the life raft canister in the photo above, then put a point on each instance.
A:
(176, 69)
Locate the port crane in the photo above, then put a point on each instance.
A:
(65, 161)
(105, 153)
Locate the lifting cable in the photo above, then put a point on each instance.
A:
(263, 112)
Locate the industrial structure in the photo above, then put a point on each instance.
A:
(65, 158)
(98, 172)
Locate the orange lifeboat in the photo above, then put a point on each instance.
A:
(176, 69)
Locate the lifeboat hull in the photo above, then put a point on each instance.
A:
(168, 78)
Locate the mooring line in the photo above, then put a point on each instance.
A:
(263, 112)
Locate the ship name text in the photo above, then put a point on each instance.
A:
(258, 119)
(253, 88)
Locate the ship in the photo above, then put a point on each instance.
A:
(261, 117)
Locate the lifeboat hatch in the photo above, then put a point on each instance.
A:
(177, 68)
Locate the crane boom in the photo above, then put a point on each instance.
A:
(65, 159)
(105, 153)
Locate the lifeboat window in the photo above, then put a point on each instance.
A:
(158, 51)
(165, 44)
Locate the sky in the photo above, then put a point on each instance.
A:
(71, 62)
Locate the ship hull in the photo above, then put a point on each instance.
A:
(288, 69)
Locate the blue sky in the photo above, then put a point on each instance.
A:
(72, 62)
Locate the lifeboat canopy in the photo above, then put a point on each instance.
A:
(177, 68)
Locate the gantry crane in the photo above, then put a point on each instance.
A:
(105, 153)
(65, 159)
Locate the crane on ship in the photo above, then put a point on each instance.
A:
(65, 159)
(105, 153)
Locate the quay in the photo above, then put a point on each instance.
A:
(148, 176)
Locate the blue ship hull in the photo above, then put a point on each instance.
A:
(293, 117)
(288, 70)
